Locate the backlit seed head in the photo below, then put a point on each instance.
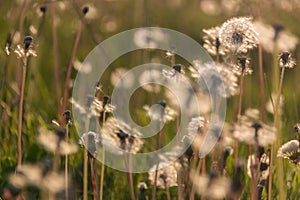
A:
(43, 8)
(177, 67)
(277, 29)
(27, 42)
(85, 10)
(67, 115)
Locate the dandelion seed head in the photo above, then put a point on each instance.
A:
(51, 142)
(217, 78)
(142, 186)
(210, 7)
(238, 35)
(150, 76)
(297, 127)
(286, 60)
(122, 136)
(43, 8)
(252, 132)
(211, 186)
(212, 42)
(291, 151)
(85, 10)
(269, 37)
(166, 176)
(242, 66)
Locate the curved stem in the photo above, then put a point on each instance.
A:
(66, 88)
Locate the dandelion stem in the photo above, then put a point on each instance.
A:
(85, 163)
(238, 118)
(20, 120)
(261, 84)
(93, 178)
(130, 177)
(192, 193)
(75, 47)
(55, 58)
(102, 166)
(156, 170)
(67, 166)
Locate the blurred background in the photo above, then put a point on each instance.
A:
(59, 20)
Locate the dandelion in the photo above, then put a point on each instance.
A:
(51, 142)
(252, 132)
(286, 60)
(212, 42)
(160, 112)
(90, 140)
(297, 127)
(142, 186)
(271, 36)
(212, 186)
(174, 73)
(166, 176)
(242, 66)
(122, 136)
(148, 38)
(226, 153)
(238, 35)
(23, 52)
(217, 78)
(150, 76)
(291, 151)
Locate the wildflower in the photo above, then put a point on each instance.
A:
(150, 77)
(85, 10)
(291, 151)
(90, 141)
(84, 68)
(53, 142)
(166, 175)
(286, 60)
(148, 38)
(174, 73)
(89, 11)
(104, 105)
(242, 66)
(26, 50)
(161, 112)
(67, 115)
(271, 36)
(252, 132)
(210, 7)
(212, 186)
(297, 127)
(216, 78)
(122, 136)
(117, 78)
(226, 153)
(238, 35)
(142, 186)
(196, 125)
(212, 42)
(8, 44)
